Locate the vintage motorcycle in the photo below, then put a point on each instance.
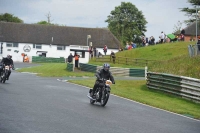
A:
(4, 73)
(101, 94)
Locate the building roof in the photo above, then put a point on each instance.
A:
(191, 29)
(62, 35)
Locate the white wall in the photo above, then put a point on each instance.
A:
(51, 51)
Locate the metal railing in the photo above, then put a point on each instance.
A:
(125, 60)
(194, 50)
(185, 87)
(132, 72)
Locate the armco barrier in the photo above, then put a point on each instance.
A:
(38, 59)
(70, 67)
(88, 67)
(115, 70)
(185, 87)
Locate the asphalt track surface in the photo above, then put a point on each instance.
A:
(32, 104)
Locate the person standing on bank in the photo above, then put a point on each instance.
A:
(70, 57)
(162, 37)
(105, 49)
(198, 43)
(113, 56)
(76, 56)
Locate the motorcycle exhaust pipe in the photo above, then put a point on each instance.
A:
(90, 97)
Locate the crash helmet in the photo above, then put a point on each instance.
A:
(106, 67)
(8, 56)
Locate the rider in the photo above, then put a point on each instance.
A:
(103, 73)
(8, 61)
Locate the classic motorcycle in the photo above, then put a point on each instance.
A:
(4, 73)
(101, 94)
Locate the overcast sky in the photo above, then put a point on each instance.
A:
(161, 15)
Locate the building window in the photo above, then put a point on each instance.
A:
(60, 47)
(11, 44)
(37, 46)
(8, 49)
(81, 54)
(15, 44)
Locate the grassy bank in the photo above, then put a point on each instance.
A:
(171, 58)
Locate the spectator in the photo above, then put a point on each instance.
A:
(198, 43)
(91, 51)
(182, 37)
(130, 47)
(152, 40)
(95, 51)
(100, 54)
(143, 41)
(76, 56)
(162, 37)
(120, 49)
(147, 41)
(70, 58)
(183, 31)
(167, 40)
(127, 46)
(133, 45)
(113, 56)
(105, 49)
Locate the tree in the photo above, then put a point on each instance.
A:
(6, 17)
(48, 22)
(191, 12)
(177, 27)
(43, 22)
(127, 23)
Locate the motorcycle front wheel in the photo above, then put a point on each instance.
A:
(3, 78)
(104, 98)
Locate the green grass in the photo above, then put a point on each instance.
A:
(54, 70)
(172, 58)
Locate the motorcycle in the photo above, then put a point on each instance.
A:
(101, 94)
(4, 73)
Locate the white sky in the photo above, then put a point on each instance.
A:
(161, 15)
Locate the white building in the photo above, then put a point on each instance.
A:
(53, 41)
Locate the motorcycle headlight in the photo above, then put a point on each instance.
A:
(108, 82)
(6, 67)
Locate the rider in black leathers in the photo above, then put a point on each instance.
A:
(103, 73)
(8, 61)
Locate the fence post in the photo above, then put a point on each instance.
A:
(145, 73)
(190, 50)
